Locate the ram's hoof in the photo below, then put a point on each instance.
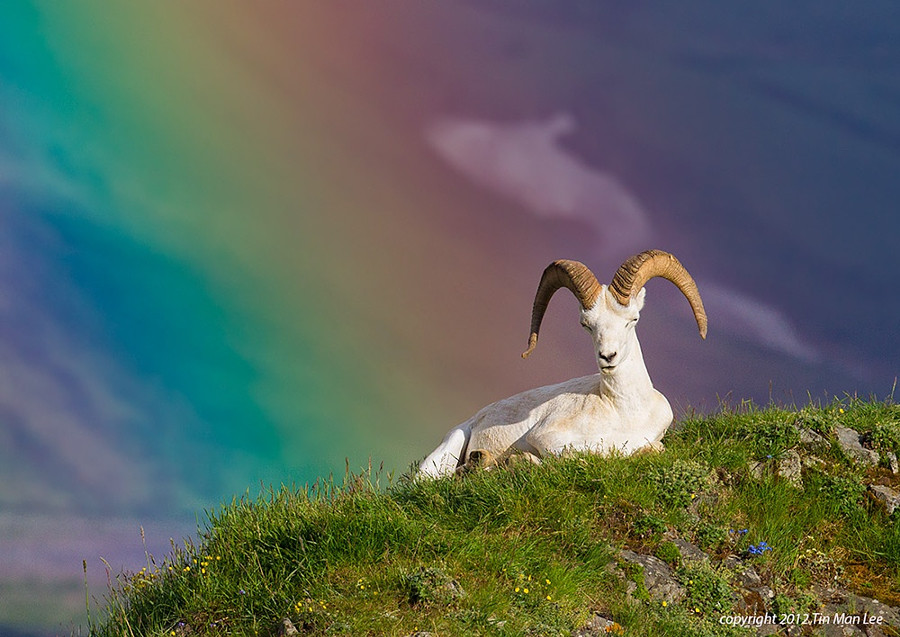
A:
(653, 447)
(516, 457)
(478, 459)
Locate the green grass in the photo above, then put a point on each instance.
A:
(524, 550)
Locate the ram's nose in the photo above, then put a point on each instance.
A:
(608, 358)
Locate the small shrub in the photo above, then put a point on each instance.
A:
(543, 630)
(650, 526)
(676, 484)
(668, 552)
(431, 585)
(818, 565)
(822, 421)
(845, 492)
(771, 433)
(711, 536)
(786, 605)
(885, 437)
(707, 590)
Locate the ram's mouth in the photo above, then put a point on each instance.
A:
(608, 368)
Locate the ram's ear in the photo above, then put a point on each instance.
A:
(639, 299)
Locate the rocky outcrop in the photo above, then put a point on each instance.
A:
(848, 441)
(600, 625)
(655, 576)
(790, 464)
(887, 496)
(840, 612)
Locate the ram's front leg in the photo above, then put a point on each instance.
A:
(513, 456)
(545, 441)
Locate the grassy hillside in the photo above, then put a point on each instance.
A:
(746, 512)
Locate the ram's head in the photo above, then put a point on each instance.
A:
(610, 313)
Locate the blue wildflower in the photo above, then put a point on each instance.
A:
(758, 549)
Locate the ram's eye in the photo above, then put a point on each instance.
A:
(587, 327)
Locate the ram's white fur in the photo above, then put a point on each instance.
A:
(617, 408)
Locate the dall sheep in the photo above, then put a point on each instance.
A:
(615, 409)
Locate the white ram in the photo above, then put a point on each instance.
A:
(618, 408)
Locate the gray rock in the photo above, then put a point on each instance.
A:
(836, 629)
(630, 589)
(766, 592)
(658, 578)
(892, 462)
(789, 468)
(599, 625)
(859, 604)
(889, 497)
(848, 440)
(287, 628)
(749, 578)
(842, 630)
(757, 469)
(811, 438)
(689, 552)
(812, 462)
(751, 602)
(749, 586)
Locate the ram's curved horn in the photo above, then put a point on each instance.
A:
(562, 273)
(636, 271)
